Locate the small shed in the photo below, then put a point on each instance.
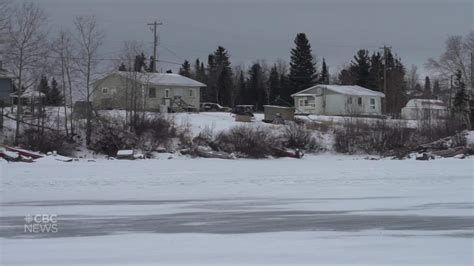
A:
(272, 112)
(81, 108)
(6, 84)
(423, 109)
(29, 97)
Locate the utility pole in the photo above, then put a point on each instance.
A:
(472, 73)
(155, 25)
(450, 92)
(385, 53)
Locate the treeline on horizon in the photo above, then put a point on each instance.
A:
(263, 84)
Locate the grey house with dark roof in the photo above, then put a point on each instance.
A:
(6, 85)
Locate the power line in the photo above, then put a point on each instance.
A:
(106, 59)
(173, 53)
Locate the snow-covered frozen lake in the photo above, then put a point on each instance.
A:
(324, 209)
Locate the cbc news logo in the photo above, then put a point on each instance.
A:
(41, 223)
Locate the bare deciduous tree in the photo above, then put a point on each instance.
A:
(26, 49)
(412, 79)
(127, 56)
(89, 38)
(282, 66)
(63, 47)
(5, 10)
(457, 56)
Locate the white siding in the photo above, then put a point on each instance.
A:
(338, 104)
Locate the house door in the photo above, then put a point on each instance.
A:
(168, 102)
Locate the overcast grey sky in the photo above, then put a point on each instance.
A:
(264, 29)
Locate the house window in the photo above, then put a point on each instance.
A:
(167, 93)
(105, 90)
(359, 101)
(152, 92)
(349, 100)
(191, 92)
(302, 102)
(372, 103)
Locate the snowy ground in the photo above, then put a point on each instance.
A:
(325, 209)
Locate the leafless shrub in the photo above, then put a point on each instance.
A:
(378, 137)
(324, 126)
(148, 134)
(46, 141)
(111, 136)
(205, 137)
(156, 131)
(430, 130)
(296, 136)
(185, 134)
(253, 142)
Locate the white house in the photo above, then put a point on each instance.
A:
(338, 100)
(152, 91)
(417, 109)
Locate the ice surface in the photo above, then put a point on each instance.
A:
(322, 209)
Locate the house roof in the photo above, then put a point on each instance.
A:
(28, 93)
(5, 74)
(426, 104)
(162, 79)
(341, 89)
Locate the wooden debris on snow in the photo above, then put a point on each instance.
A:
(207, 153)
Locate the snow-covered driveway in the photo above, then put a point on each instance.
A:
(319, 210)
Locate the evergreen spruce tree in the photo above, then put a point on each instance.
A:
(151, 64)
(427, 93)
(461, 97)
(302, 67)
(202, 73)
(44, 88)
(197, 70)
(284, 88)
(461, 101)
(241, 87)
(55, 96)
(346, 77)
(256, 86)
(224, 77)
(274, 85)
(185, 69)
(436, 89)
(360, 68)
(324, 77)
(376, 72)
(140, 63)
(210, 93)
(396, 93)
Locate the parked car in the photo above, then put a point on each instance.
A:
(243, 109)
(213, 107)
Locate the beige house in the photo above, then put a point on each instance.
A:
(338, 100)
(148, 91)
